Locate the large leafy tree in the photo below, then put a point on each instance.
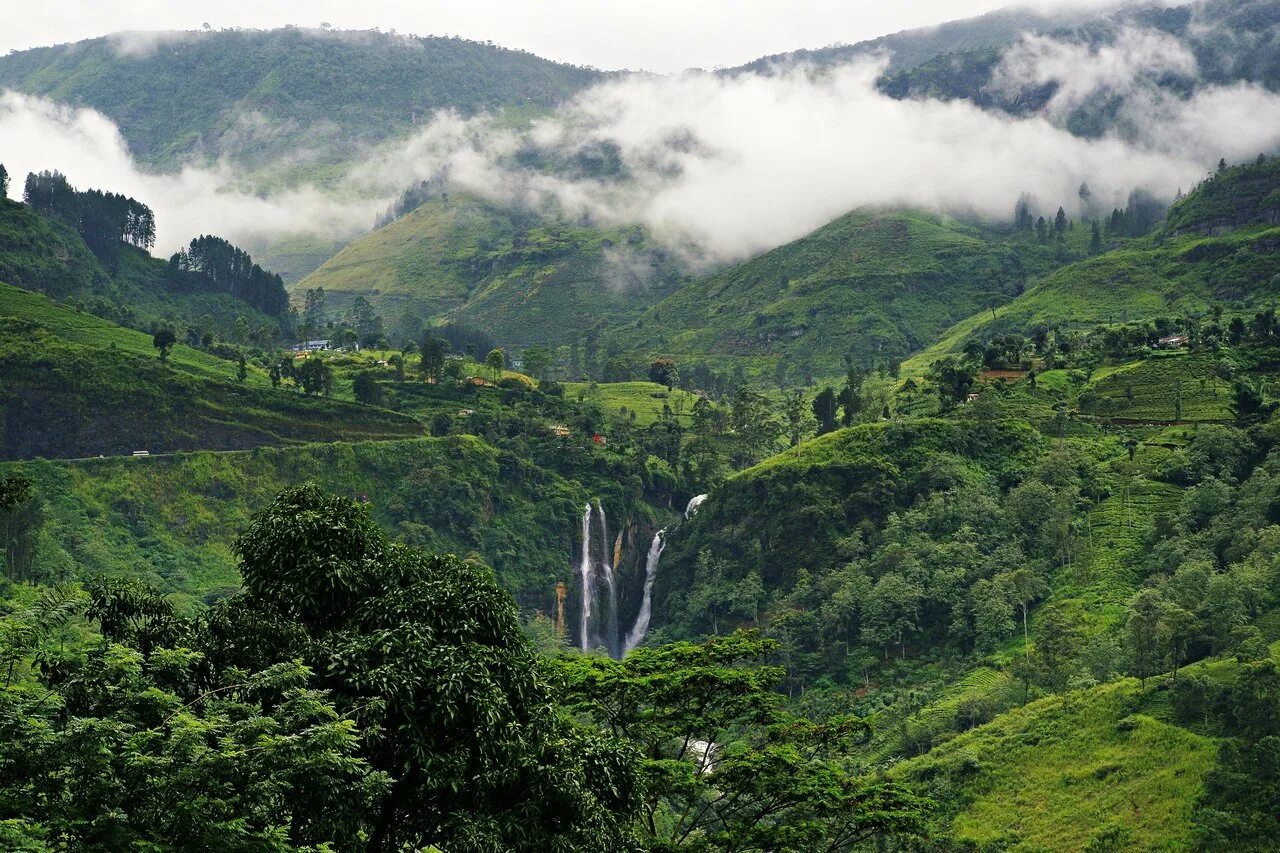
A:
(726, 767)
(355, 695)
(425, 653)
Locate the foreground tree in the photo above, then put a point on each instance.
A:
(726, 768)
(424, 653)
(357, 695)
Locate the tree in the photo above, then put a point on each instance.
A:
(1095, 239)
(433, 352)
(1236, 331)
(17, 524)
(441, 424)
(367, 389)
(891, 612)
(496, 360)
(425, 653)
(824, 410)
(992, 606)
(1143, 626)
(313, 312)
(537, 361)
(242, 369)
(850, 397)
(1060, 223)
(1042, 229)
(4, 182)
(315, 376)
(1026, 586)
(730, 769)
(664, 372)
(795, 415)
(163, 340)
(365, 322)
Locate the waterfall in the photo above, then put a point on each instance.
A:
(641, 626)
(611, 637)
(693, 505)
(584, 569)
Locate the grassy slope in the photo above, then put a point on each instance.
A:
(1057, 775)
(45, 255)
(1182, 276)
(645, 399)
(77, 385)
(522, 280)
(873, 285)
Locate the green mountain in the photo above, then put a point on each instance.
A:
(522, 278)
(871, 286)
(1239, 45)
(257, 95)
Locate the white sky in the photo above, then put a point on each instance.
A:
(656, 35)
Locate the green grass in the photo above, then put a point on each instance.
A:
(76, 385)
(873, 285)
(1060, 773)
(1148, 390)
(1095, 589)
(645, 399)
(83, 328)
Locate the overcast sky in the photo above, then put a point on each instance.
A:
(657, 35)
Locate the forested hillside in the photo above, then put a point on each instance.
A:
(258, 94)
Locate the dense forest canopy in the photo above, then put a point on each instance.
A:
(228, 269)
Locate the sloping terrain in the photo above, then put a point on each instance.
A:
(870, 286)
(262, 94)
(521, 278)
(77, 385)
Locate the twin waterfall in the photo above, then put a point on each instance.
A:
(606, 633)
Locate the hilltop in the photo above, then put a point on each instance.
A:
(1176, 272)
(257, 95)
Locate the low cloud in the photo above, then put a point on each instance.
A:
(739, 165)
(36, 134)
(719, 168)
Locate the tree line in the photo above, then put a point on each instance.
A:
(103, 219)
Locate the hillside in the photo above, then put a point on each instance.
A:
(1231, 41)
(130, 286)
(172, 520)
(77, 385)
(258, 95)
(521, 278)
(1177, 272)
(871, 286)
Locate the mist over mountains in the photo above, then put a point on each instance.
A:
(717, 166)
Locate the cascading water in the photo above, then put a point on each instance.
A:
(636, 635)
(584, 570)
(611, 637)
(694, 503)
